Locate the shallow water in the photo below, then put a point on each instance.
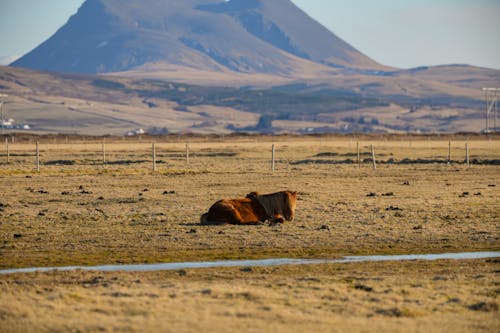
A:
(259, 262)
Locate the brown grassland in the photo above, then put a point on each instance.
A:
(79, 211)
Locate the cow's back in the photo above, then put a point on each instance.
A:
(234, 211)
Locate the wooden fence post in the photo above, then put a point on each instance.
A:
(273, 154)
(449, 152)
(7, 148)
(358, 154)
(467, 155)
(154, 157)
(373, 157)
(37, 157)
(103, 152)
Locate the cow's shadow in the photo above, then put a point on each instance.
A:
(199, 224)
(215, 224)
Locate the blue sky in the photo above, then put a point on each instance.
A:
(400, 33)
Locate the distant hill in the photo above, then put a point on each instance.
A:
(219, 66)
(103, 104)
(246, 36)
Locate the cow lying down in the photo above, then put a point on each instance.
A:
(254, 209)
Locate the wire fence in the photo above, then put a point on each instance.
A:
(265, 155)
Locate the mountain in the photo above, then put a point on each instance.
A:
(242, 36)
(218, 66)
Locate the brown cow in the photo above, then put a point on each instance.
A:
(254, 209)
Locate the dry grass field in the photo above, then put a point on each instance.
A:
(444, 296)
(77, 210)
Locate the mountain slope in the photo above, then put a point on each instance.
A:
(247, 36)
(99, 104)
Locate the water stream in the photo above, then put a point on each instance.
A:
(259, 262)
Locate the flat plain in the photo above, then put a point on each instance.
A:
(78, 210)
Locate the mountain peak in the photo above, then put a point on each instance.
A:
(248, 36)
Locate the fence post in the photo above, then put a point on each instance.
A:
(449, 152)
(273, 154)
(373, 157)
(37, 157)
(467, 155)
(358, 154)
(7, 148)
(103, 152)
(154, 157)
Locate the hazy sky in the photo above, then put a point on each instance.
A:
(400, 33)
